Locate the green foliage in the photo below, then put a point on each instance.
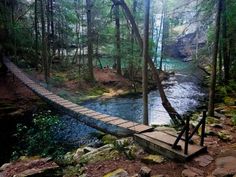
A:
(37, 139)
(72, 171)
(126, 149)
(234, 119)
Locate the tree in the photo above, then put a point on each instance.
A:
(118, 52)
(164, 32)
(145, 62)
(89, 43)
(214, 60)
(225, 43)
(36, 30)
(44, 42)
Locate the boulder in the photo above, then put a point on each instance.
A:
(106, 152)
(204, 160)
(144, 172)
(117, 173)
(192, 172)
(225, 135)
(225, 166)
(153, 159)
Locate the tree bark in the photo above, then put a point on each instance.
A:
(164, 33)
(36, 31)
(158, 36)
(214, 61)
(118, 50)
(44, 42)
(165, 102)
(225, 44)
(89, 35)
(145, 63)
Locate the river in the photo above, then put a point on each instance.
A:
(183, 90)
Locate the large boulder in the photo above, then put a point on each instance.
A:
(226, 166)
(106, 152)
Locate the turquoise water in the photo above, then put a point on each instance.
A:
(182, 89)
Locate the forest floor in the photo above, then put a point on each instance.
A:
(107, 84)
(220, 140)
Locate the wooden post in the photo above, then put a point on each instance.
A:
(203, 128)
(186, 136)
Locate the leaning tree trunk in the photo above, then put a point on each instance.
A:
(214, 61)
(165, 102)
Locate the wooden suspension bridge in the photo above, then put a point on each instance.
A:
(162, 142)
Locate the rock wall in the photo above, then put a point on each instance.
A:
(184, 46)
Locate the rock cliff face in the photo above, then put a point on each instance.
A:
(184, 45)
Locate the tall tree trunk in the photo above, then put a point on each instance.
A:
(132, 35)
(158, 36)
(118, 51)
(197, 32)
(225, 44)
(164, 33)
(44, 41)
(145, 62)
(52, 27)
(165, 102)
(214, 61)
(89, 35)
(36, 31)
(220, 64)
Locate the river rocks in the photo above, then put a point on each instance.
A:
(153, 159)
(29, 167)
(212, 120)
(109, 139)
(225, 135)
(144, 172)
(117, 173)
(204, 160)
(226, 166)
(192, 172)
(106, 152)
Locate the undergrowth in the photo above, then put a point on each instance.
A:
(36, 139)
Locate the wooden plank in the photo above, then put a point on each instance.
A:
(95, 114)
(77, 108)
(128, 124)
(90, 113)
(141, 128)
(86, 111)
(71, 105)
(164, 147)
(101, 116)
(118, 122)
(108, 119)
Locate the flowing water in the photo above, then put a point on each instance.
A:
(182, 89)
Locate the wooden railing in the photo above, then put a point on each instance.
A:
(188, 136)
